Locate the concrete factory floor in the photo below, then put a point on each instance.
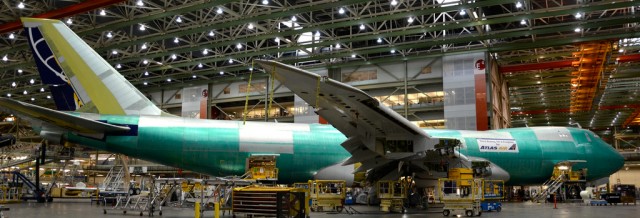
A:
(83, 208)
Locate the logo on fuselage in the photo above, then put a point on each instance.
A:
(497, 145)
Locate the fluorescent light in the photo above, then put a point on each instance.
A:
(341, 11)
(179, 20)
(21, 5)
(394, 2)
(140, 3)
(250, 26)
(518, 4)
(362, 26)
(219, 11)
(577, 30)
(103, 12)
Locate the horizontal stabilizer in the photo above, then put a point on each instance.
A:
(61, 119)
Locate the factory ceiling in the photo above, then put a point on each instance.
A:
(565, 61)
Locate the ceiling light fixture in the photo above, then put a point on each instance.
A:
(103, 12)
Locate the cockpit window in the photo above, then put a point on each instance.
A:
(588, 137)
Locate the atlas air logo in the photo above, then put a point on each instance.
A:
(512, 148)
(497, 145)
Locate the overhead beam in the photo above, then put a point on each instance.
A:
(62, 12)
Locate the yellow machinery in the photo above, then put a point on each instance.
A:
(327, 193)
(392, 195)
(263, 167)
(269, 201)
(10, 194)
(461, 193)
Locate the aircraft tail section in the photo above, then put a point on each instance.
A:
(64, 59)
(51, 73)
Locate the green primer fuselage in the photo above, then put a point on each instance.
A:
(221, 148)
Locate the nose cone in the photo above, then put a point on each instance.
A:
(616, 162)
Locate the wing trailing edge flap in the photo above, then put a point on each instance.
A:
(352, 112)
(59, 119)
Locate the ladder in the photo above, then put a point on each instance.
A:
(113, 181)
(552, 185)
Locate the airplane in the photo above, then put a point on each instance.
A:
(118, 118)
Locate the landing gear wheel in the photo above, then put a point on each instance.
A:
(479, 213)
(468, 213)
(499, 209)
(446, 212)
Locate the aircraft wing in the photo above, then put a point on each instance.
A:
(58, 119)
(375, 133)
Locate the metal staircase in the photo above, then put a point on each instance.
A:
(552, 186)
(114, 179)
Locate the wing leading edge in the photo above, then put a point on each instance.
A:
(376, 134)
